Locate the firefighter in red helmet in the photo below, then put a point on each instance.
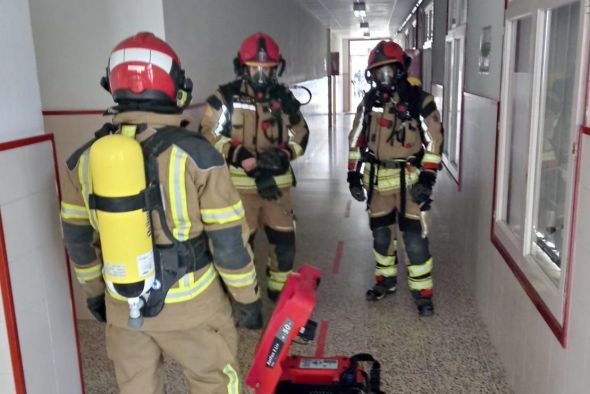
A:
(256, 124)
(191, 212)
(395, 161)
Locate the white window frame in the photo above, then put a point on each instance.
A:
(453, 101)
(550, 297)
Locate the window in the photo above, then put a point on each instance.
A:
(453, 91)
(536, 149)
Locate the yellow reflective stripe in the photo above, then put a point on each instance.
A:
(221, 143)
(193, 289)
(279, 276)
(383, 260)
(431, 157)
(223, 215)
(275, 285)
(354, 155)
(239, 280)
(88, 273)
(241, 180)
(233, 385)
(71, 211)
(296, 148)
(388, 179)
(386, 271)
(420, 269)
(84, 178)
(177, 190)
(129, 130)
(420, 284)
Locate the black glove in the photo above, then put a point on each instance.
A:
(267, 187)
(237, 154)
(422, 190)
(355, 185)
(274, 161)
(249, 315)
(97, 307)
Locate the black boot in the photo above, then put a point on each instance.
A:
(424, 303)
(273, 295)
(425, 306)
(385, 285)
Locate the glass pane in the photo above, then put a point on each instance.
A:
(561, 41)
(521, 84)
(448, 101)
(458, 92)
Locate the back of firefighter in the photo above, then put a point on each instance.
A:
(201, 226)
(395, 161)
(256, 124)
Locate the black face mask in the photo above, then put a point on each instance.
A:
(260, 77)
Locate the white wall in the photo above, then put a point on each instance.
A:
(534, 360)
(73, 41)
(20, 104)
(207, 35)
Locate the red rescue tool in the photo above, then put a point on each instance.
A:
(275, 371)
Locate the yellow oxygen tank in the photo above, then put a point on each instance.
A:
(117, 171)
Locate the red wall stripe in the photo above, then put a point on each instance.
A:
(74, 112)
(10, 316)
(5, 285)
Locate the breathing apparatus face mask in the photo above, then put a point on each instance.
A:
(385, 76)
(261, 77)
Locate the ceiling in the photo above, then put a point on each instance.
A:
(384, 16)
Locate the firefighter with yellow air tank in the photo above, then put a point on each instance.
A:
(395, 161)
(151, 219)
(256, 124)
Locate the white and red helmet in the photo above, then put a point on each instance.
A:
(144, 68)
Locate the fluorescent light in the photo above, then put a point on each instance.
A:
(360, 9)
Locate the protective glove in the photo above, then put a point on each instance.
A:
(274, 161)
(355, 185)
(249, 315)
(422, 190)
(97, 308)
(237, 154)
(266, 186)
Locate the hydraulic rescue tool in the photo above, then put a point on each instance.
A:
(275, 371)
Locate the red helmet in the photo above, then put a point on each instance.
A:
(386, 52)
(143, 68)
(259, 49)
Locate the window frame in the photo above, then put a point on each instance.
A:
(551, 300)
(454, 124)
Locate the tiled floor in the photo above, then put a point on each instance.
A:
(450, 352)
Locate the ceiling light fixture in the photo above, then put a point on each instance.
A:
(367, 34)
(360, 9)
(365, 26)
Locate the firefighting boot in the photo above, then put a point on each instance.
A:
(424, 303)
(273, 295)
(385, 285)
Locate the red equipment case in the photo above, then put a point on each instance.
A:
(274, 371)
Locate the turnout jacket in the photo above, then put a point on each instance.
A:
(198, 200)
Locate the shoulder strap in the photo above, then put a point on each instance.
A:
(228, 91)
(106, 129)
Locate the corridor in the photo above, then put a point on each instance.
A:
(450, 352)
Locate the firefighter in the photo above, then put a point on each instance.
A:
(256, 124)
(197, 224)
(395, 161)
